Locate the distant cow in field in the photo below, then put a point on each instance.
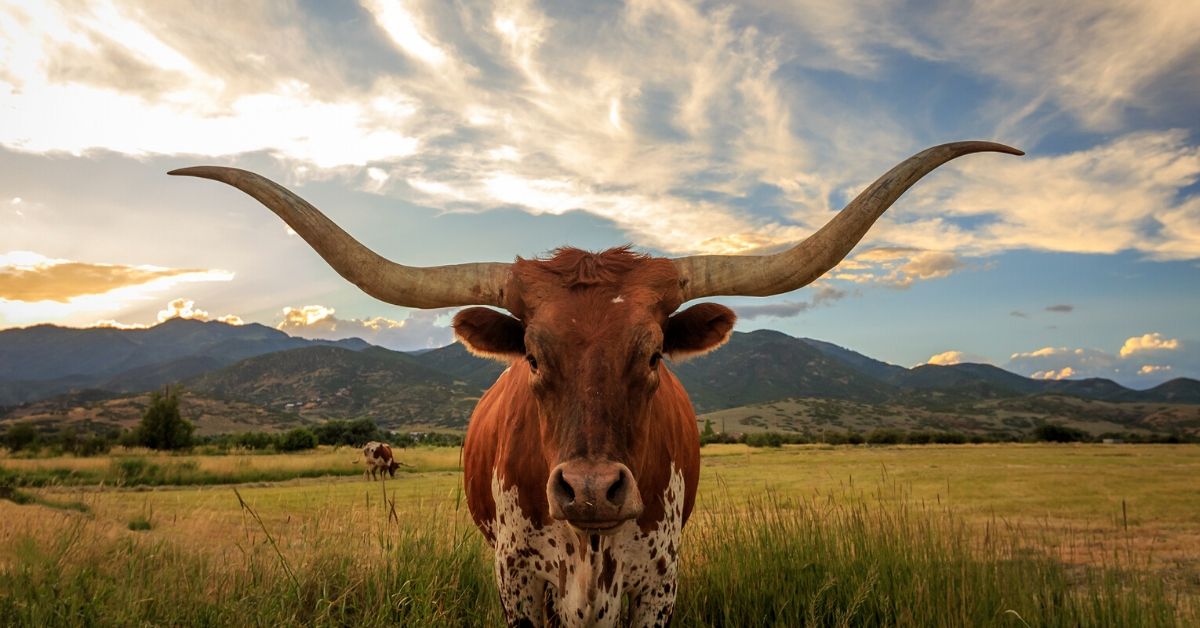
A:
(378, 457)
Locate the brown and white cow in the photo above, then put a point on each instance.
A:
(378, 457)
(581, 462)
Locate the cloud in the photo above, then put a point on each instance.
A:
(1096, 60)
(786, 309)
(35, 288)
(948, 358)
(1148, 342)
(1018, 314)
(1061, 308)
(186, 308)
(1124, 195)
(1062, 373)
(1130, 365)
(710, 128)
(423, 329)
(897, 267)
(176, 308)
(30, 277)
(1148, 369)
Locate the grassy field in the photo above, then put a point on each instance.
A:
(1006, 535)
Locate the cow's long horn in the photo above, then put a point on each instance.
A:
(765, 275)
(435, 286)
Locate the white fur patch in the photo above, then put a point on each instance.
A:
(583, 577)
(618, 299)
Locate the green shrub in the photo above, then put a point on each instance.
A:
(21, 436)
(1055, 433)
(885, 436)
(297, 440)
(764, 439)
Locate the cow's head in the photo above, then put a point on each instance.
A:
(590, 330)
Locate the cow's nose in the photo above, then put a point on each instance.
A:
(593, 494)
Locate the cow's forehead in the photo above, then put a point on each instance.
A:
(611, 287)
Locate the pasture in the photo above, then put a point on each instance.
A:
(1005, 535)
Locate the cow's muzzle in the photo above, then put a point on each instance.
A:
(592, 494)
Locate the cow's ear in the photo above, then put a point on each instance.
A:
(697, 330)
(490, 334)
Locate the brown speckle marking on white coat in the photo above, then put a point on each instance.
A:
(580, 578)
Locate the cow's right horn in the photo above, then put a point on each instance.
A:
(798, 266)
(409, 286)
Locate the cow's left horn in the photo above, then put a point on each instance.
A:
(765, 275)
(410, 286)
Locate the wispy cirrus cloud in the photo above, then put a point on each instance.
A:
(29, 277)
(692, 128)
(824, 294)
(897, 267)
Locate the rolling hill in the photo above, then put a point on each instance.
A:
(253, 375)
(45, 360)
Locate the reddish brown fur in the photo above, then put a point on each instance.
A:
(593, 393)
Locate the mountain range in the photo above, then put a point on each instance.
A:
(255, 377)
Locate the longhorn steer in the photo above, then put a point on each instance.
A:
(378, 457)
(581, 462)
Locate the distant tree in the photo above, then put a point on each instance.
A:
(298, 439)
(361, 431)
(21, 436)
(162, 426)
(885, 436)
(765, 439)
(1055, 433)
(708, 429)
(355, 433)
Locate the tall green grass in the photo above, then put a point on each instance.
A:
(835, 563)
(767, 561)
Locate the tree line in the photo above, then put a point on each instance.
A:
(163, 428)
(1045, 433)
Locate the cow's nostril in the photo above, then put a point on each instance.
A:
(565, 489)
(618, 487)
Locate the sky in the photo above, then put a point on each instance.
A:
(444, 132)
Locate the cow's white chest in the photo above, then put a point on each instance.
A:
(583, 577)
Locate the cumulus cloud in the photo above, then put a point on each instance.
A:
(1148, 369)
(186, 308)
(1148, 342)
(786, 309)
(1130, 365)
(176, 308)
(423, 329)
(949, 358)
(1061, 308)
(1062, 373)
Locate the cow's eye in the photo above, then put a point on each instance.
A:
(655, 359)
(532, 362)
